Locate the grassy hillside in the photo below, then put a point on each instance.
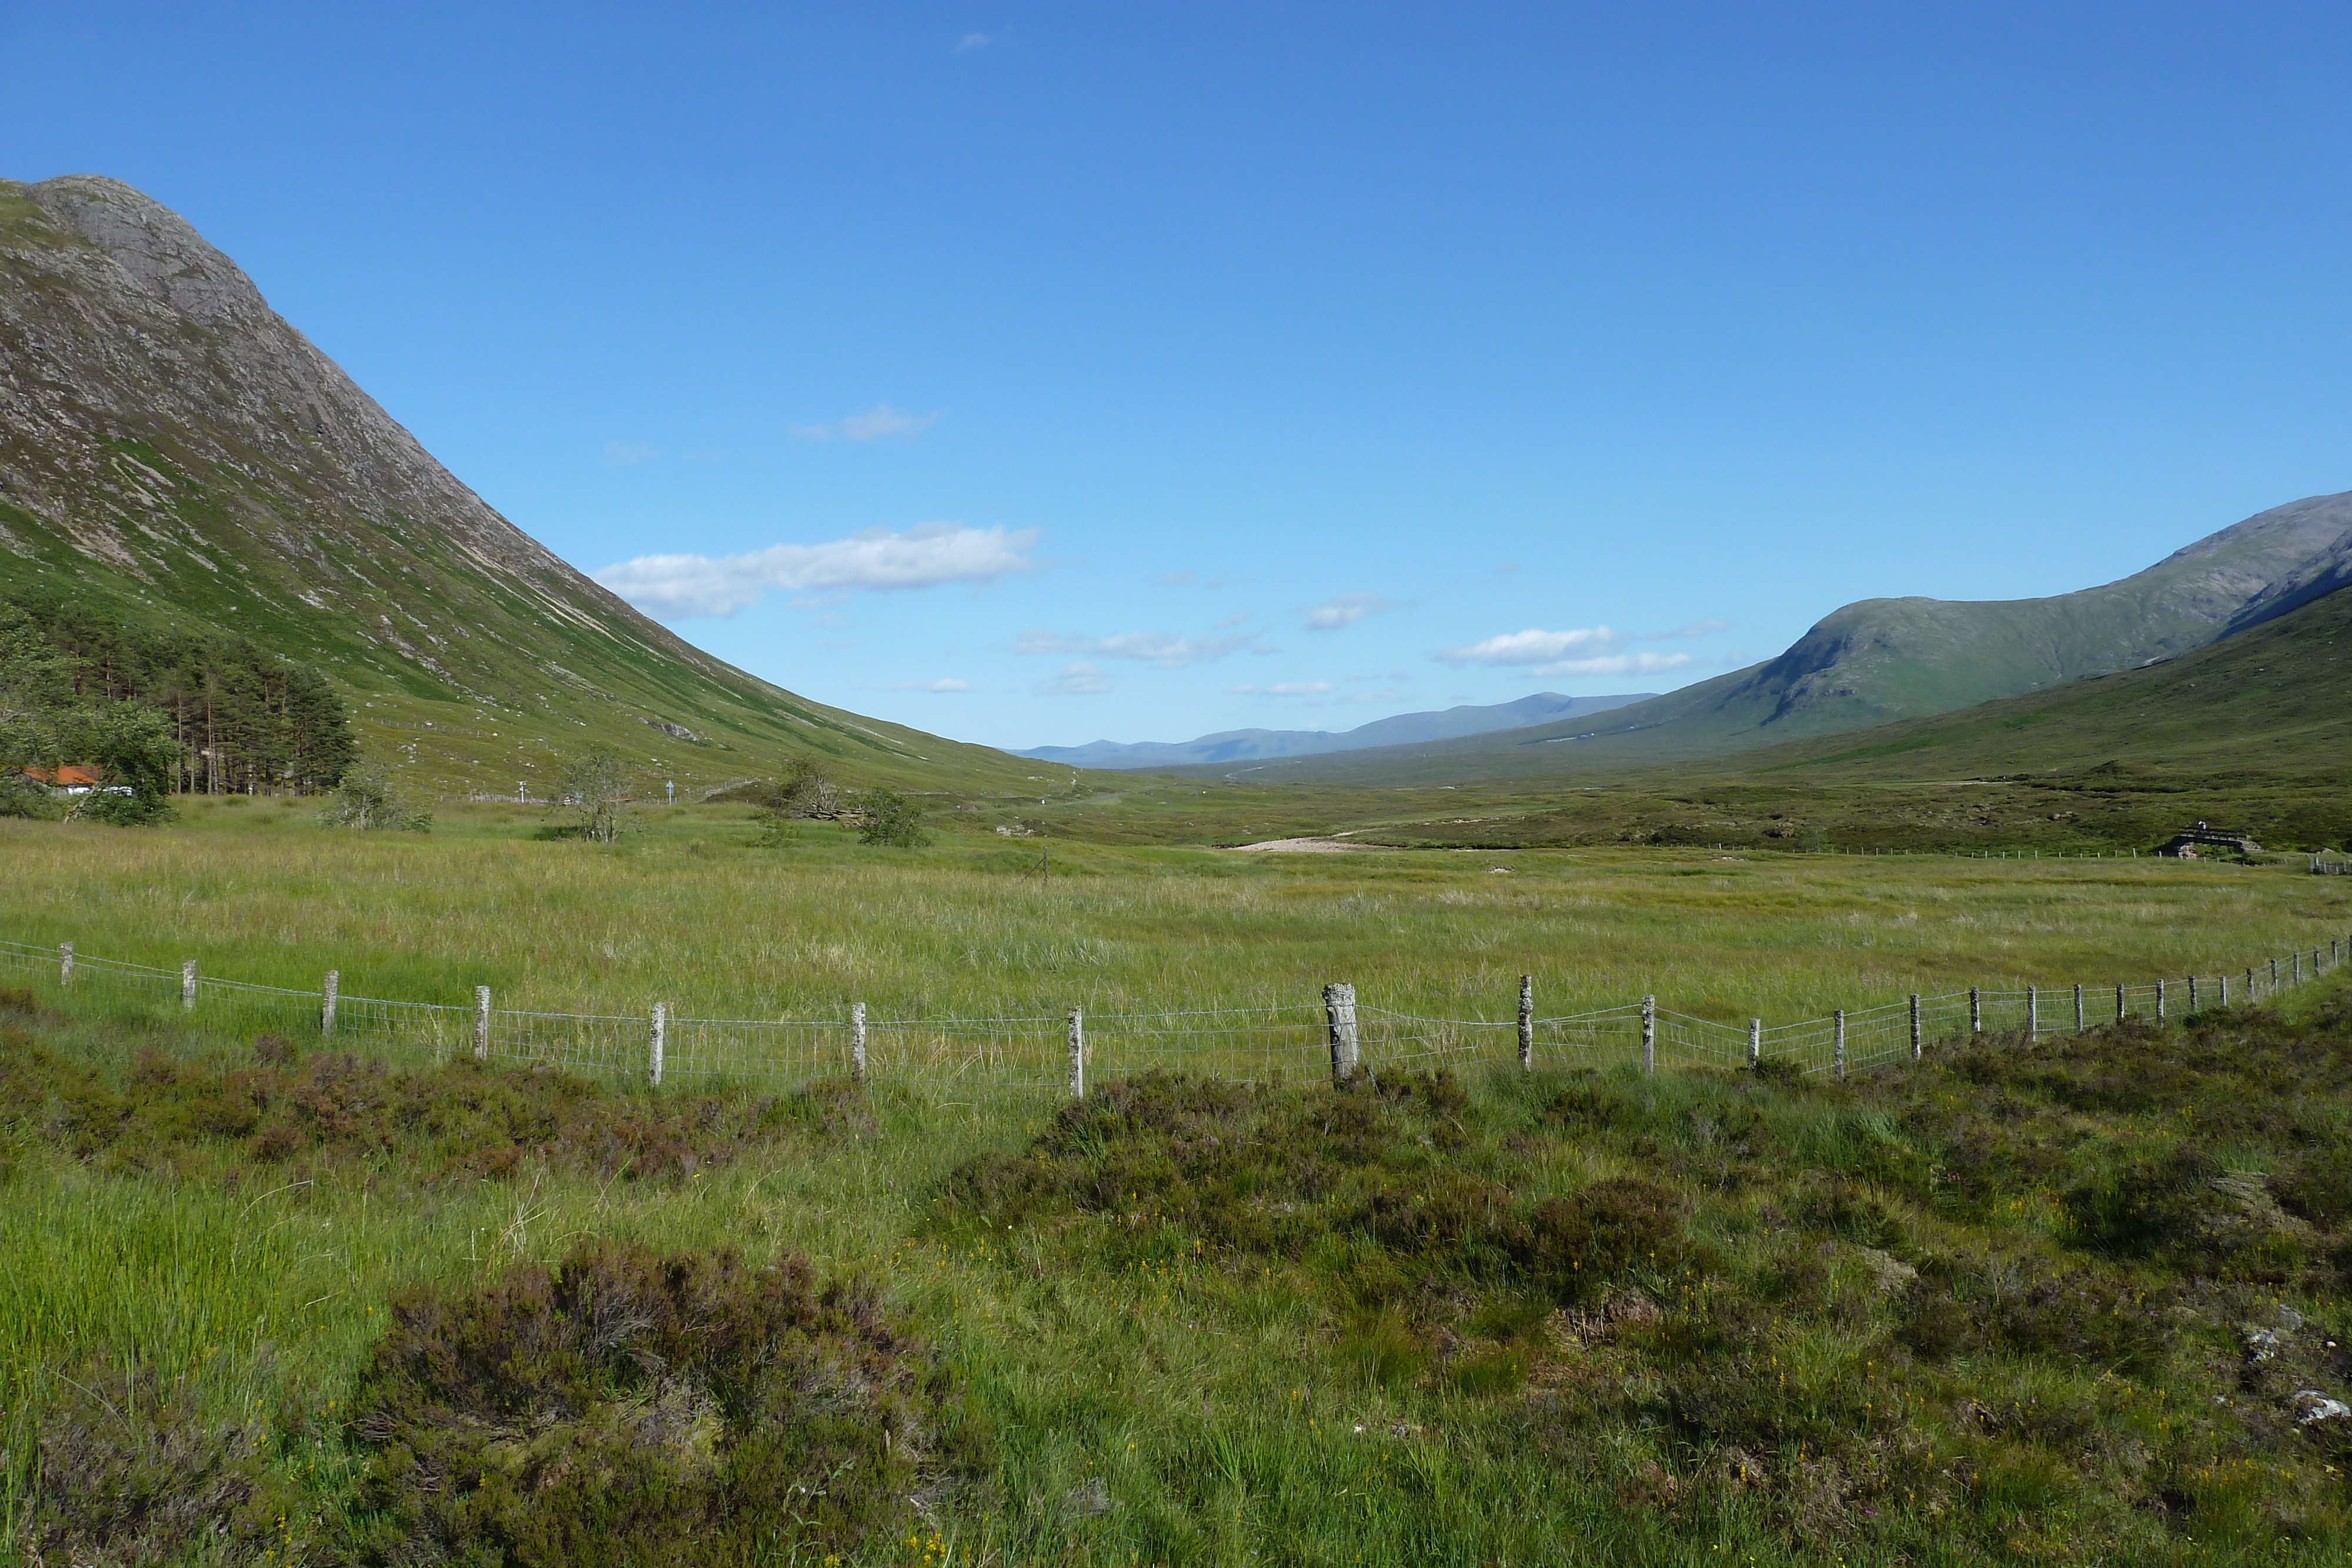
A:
(175, 452)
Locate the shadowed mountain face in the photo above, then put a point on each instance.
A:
(1403, 730)
(172, 448)
(1882, 660)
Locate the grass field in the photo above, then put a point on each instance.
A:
(1921, 1318)
(691, 912)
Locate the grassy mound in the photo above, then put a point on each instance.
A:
(628, 1406)
(278, 1114)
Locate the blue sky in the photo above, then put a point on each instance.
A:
(1033, 374)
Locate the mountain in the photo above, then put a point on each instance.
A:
(1403, 730)
(172, 450)
(1879, 661)
(2271, 702)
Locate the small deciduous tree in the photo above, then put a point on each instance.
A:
(370, 800)
(887, 817)
(137, 760)
(804, 790)
(593, 787)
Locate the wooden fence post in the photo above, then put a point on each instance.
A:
(1078, 1054)
(1838, 1041)
(1755, 1044)
(2078, 1007)
(64, 963)
(329, 994)
(858, 1042)
(1649, 1034)
(481, 1023)
(1918, 1045)
(2250, 987)
(654, 1046)
(2296, 978)
(1339, 1016)
(188, 984)
(1526, 1022)
(2225, 990)
(2160, 1001)
(2192, 996)
(1976, 1011)
(2121, 1013)
(2275, 977)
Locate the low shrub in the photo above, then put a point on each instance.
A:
(631, 1406)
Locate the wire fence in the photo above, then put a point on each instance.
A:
(1062, 1054)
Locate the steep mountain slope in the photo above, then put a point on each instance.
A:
(170, 446)
(1403, 729)
(1883, 660)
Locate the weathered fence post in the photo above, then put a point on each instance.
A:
(2160, 1001)
(1976, 1011)
(2032, 1015)
(64, 963)
(1918, 1045)
(188, 983)
(2250, 987)
(1837, 1043)
(1649, 1034)
(2078, 1007)
(1526, 1022)
(1078, 1054)
(2192, 996)
(654, 1047)
(2274, 975)
(858, 1042)
(2121, 1012)
(2225, 990)
(330, 993)
(2296, 978)
(481, 1023)
(1339, 1015)
(1755, 1044)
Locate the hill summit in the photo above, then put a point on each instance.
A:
(172, 449)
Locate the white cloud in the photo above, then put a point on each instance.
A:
(1081, 679)
(878, 421)
(1345, 611)
(1533, 647)
(1152, 647)
(1284, 689)
(972, 41)
(1696, 629)
(676, 586)
(1180, 579)
(1232, 621)
(628, 454)
(949, 683)
(1616, 665)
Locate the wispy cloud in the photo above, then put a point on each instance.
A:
(628, 454)
(1507, 568)
(1081, 679)
(1178, 579)
(1345, 611)
(1533, 647)
(1581, 651)
(876, 423)
(673, 587)
(1232, 621)
(972, 41)
(949, 683)
(1150, 647)
(1616, 665)
(1696, 629)
(1284, 689)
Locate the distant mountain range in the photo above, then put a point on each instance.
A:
(1880, 661)
(175, 452)
(1404, 729)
